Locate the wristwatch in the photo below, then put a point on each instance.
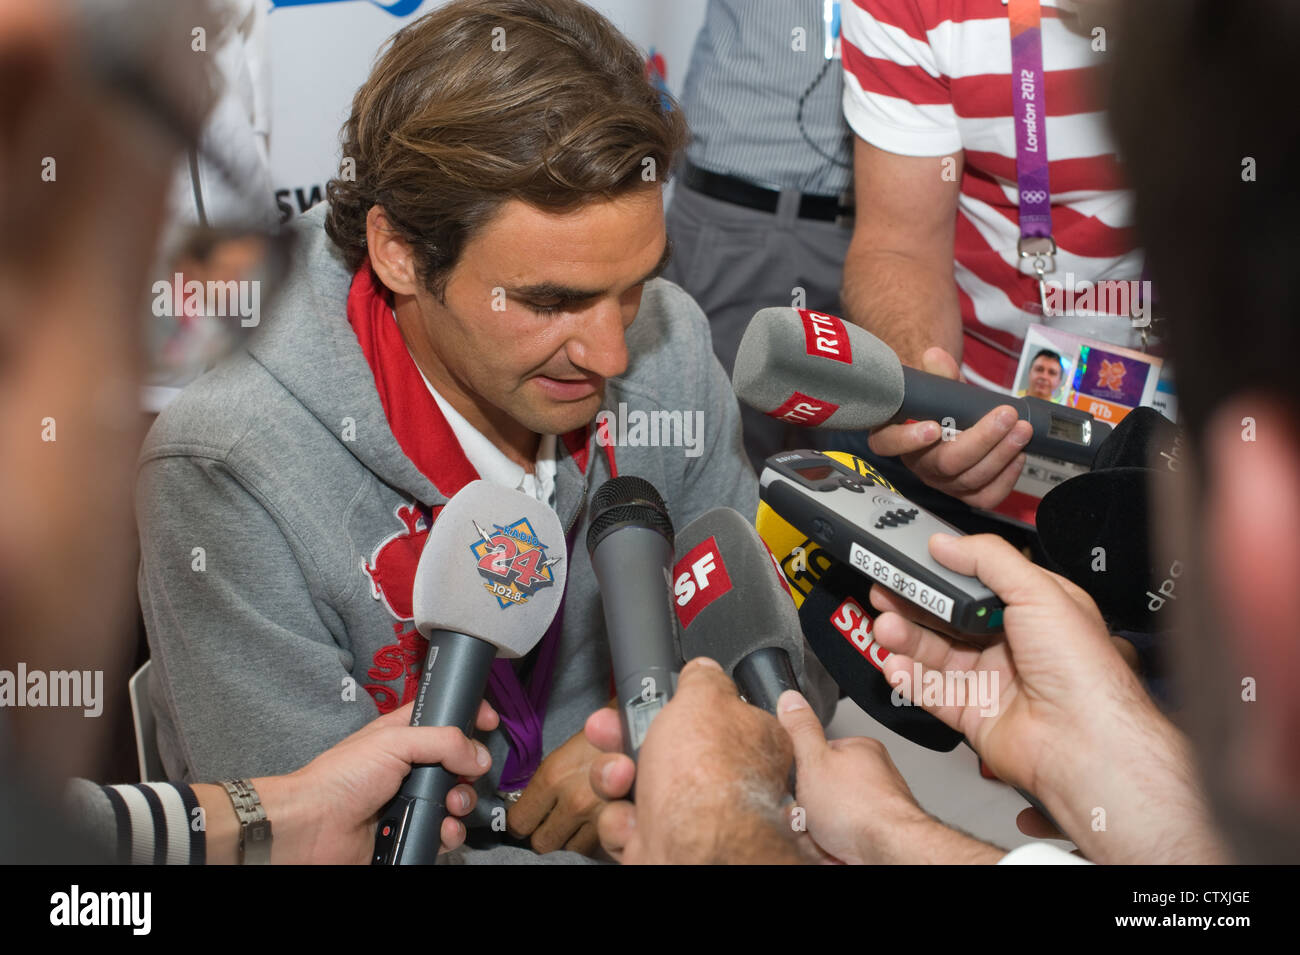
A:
(254, 827)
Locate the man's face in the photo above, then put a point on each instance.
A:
(537, 307)
(1044, 377)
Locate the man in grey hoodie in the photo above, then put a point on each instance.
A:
(480, 286)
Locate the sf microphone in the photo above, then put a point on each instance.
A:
(733, 605)
(814, 370)
(1096, 527)
(631, 545)
(488, 584)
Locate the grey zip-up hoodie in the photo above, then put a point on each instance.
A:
(272, 495)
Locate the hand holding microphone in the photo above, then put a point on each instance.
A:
(710, 779)
(734, 610)
(816, 370)
(978, 465)
(490, 579)
(858, 809)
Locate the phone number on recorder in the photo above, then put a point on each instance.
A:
(901, 583)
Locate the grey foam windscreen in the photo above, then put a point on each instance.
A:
(729, 596)
(493, 567)
(816, 370)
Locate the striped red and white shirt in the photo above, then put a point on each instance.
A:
(932, 78)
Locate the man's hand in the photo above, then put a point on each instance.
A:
(710, 782)
(856, 806)
(979, 465)
(325, 813)
(1069, 722)
(559, 808)
(612, 776)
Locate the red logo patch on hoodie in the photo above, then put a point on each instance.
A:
(391, 571)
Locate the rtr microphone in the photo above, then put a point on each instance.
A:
(815, 370)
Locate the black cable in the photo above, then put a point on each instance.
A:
(198, 189)
(799, 119)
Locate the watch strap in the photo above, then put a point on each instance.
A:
(254, 827)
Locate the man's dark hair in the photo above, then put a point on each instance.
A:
(1047, 352)
(1197, 108)
(483, 101)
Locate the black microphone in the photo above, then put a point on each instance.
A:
(631, 545)
(815, 370)
(837, 618)
(490, 579)
(733, 605)
(1144, 439)
(1096, 527)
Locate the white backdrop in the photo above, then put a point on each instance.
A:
(322, 50)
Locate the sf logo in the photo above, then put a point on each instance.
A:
(512, 561)
(699, 578)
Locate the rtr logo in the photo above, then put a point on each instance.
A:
(513, 561)
(804, 410)
(699, 578)
(825, 336)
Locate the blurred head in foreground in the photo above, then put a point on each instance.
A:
(86, 152)
(1216, 167)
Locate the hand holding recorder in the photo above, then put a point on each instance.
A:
(1072, 724)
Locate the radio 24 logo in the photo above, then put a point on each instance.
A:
(513, 561)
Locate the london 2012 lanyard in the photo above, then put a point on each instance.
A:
(1029, 96)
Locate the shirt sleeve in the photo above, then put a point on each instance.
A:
(896, 96)
(146, 824)
(247, 677)
(1041, 853)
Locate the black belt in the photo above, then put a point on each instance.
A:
(741, 192)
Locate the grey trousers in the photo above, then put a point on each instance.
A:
(735, 261)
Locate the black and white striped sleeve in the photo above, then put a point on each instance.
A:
(141, 824)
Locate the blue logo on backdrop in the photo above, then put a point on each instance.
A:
(398, 8)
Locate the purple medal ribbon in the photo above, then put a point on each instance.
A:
(1029, 96)
(523, 710)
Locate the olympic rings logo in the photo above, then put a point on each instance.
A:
(1033, 195)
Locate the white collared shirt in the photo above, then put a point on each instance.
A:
(491, 462)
